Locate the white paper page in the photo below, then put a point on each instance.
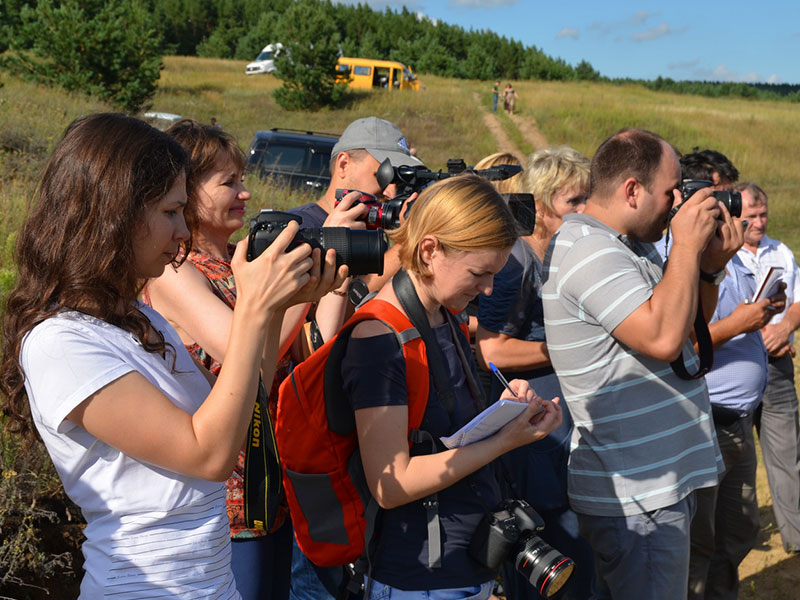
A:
(489, 421)
(769, 284)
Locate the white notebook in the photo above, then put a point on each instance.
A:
(489, 421)
(768, 284)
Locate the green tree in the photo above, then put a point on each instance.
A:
(261, 34)
(586, 71)
(105, 49)
(308, 67)
(223, 40)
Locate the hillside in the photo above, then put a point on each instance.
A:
(450, 119)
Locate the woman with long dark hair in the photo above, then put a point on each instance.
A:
(137, 434)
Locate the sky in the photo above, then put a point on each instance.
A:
(734, 40)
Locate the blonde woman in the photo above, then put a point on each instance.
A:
(454, 241)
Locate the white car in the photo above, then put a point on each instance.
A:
(265, 61)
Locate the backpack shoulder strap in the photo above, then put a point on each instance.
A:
(341, 418)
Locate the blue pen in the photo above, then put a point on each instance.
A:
(502, 379)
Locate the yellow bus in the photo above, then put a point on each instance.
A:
(366, 73)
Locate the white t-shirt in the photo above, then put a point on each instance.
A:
(149, 530)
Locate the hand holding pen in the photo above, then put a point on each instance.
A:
(539, 419)
(507, 385)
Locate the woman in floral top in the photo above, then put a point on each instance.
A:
(198, 300)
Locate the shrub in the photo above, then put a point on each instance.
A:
(28, 477)
(308, 67)
(106, 49)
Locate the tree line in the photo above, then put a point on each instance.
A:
(113, 49)
(76, 43)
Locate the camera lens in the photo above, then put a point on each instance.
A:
(544, 567)
(362, 251)
(731, 200)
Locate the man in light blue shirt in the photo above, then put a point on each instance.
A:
(726, 521)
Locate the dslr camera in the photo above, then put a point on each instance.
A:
(411, 179)
(731, 200)
(361, 251)
(509, 533)
(380, 215)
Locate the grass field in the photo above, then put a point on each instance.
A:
(450, 119)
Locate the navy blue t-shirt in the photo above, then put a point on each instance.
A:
(313, 214)
(515, 309)
(374, 374)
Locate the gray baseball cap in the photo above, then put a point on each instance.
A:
(380, 138)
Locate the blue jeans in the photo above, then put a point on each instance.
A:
(726, 523)
(641, 557)
(261, 566)
(381, 591)
(310, 582)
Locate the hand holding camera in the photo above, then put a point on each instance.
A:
(349, 210)
(711, 219)
(269, 283)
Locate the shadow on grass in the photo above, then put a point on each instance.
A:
(779, 581)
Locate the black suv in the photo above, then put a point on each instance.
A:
(292, 157)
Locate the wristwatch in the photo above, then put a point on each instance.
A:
(713, 278)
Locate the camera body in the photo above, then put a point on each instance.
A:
(510, 533)
(411, 179)
(731, 200)
(361, 251)
(385, 215)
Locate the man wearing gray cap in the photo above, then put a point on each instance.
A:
(355, 159)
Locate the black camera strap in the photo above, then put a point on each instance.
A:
(705, 349)
(263, 487)
(409, 300)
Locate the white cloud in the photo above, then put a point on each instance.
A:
(380, 5)
(568, 32)
(638, 19)
(641, 16)
(723, 73)
(657, 32)
(480, 3)
(421, 16)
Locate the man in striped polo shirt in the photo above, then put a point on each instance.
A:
(615, 320)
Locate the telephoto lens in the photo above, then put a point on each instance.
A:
(362, 251)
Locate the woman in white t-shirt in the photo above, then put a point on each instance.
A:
(139, 437)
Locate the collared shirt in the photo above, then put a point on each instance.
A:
(772, 253)
(739, 375)
(643, 437)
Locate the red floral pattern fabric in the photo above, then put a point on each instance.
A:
(220, 276)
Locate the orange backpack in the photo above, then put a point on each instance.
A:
(331, 506)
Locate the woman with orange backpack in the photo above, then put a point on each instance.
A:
(458, 235)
